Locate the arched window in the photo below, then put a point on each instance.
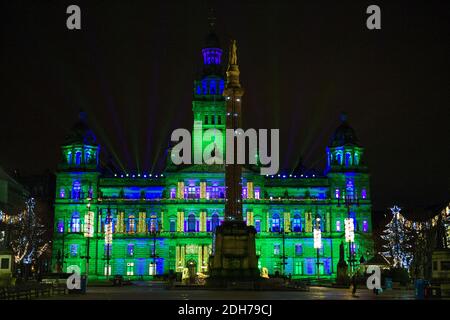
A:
(297, 223)
(338, 158)
(356, 158)
(75, 225)
(191, 223)
(62, 193)
(69, 157)
(172, 225)
(78, 158)
(131, 224)
(153, 227)
(348, 159)
(214, 221)
(76, 190)
(276, 223)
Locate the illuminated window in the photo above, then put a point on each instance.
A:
(130, 268)
(69, 157)
(107, 250)
(258, 225)
(339, 158)
(173, 193)
(338, 225)
(337, 194)
(131, 224)
(214, 221)
(76, 190)
(172, 225)
(130, 249)
(153, 224)
(276, 249)
(356, 158)
(298, 267)
(297, 223)
(60, 226)
(62, 193)
(348, 159)
(365, 226)
(75, 224)
(257, 193)
(276, 223)
(363, 193)
(191, 223)
(107, 270)
(78, 158)
(152, 269)
(298, 249)
(244, 193)
(73, 250)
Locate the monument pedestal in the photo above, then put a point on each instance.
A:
(234, 258)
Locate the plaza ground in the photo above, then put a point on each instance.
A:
(148, 290)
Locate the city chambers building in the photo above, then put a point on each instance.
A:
(143, 226)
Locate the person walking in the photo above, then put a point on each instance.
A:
(354, 285)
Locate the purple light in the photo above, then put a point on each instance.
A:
(364, 193)
(365, 226)
(212, 56)
(337, 194)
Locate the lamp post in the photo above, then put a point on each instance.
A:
(88, 233)
(108, 240)
(318, 244)
(350, 229)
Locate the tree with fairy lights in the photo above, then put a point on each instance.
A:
(28, 243)
(398, 240)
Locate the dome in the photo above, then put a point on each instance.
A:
(344, 134)
(81, 133)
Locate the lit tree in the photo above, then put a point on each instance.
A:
(27, 242)
(398, 240)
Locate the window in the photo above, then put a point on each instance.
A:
(107, 270)
(356, 158)
(337, 194)
(172, 225)
(131, 224)
(365, 226)
(130, 268)
(258, 225)
(153, 227)
(130, 249)
(338, 226)
(348, 159)
(206, 119)
(244, 193)
(363, 193)
(152, 269)
(73, 250)
(276, 223)
(214, 221)
(219, 120)
(276, 249)
(339, 158)
(76, 190)
(298, 249)
(297, 223)
(173, 193)
(60, 226)
(310, 266)
(4, 263)
(327, 266)
(75, 225)
(107, 250)
(213, 120)
(191, 223)
(257, 193)
(78, 158)
(62, 193)
(69, 157)
(298, 267)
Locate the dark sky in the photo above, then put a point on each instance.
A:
(302, 63)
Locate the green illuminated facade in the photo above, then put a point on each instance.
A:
(166, 221)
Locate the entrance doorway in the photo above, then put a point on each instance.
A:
(192, 267)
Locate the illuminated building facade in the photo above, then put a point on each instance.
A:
(142, 225)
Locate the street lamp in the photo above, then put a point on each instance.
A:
(318, 244)
(108, 241)
(350, 229)
(88, 232)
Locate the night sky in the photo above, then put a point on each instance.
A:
(132, 66)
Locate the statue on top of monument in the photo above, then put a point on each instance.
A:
(233, 52)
